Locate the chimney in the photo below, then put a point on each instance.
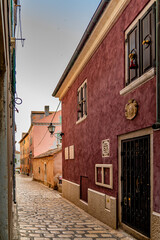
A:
(23, 134)
(46, 110)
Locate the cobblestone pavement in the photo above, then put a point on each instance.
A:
(44, 214)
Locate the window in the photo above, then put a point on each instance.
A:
(140, 46)
(66, 153)
(30, 141)
(69, 152)
(104, 175)
(82, 102)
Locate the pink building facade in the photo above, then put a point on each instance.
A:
(39, 140)
(110, 150)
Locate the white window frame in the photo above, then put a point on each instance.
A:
(146, 76)
(103, 166)
(84, 114)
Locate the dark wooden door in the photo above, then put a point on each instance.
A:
(84, 188)
(136, 184)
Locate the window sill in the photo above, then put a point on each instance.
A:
(104, 185)
(138, 82)
(81, 119)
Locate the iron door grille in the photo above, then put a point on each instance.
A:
(136, 184)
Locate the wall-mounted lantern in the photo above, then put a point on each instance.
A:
(51, 128)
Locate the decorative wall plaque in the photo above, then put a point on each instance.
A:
(131, 109)
(105, 148)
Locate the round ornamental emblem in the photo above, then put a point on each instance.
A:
(131, 109)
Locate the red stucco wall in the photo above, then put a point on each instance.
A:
(106, 108)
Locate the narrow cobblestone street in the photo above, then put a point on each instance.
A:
(44, 214)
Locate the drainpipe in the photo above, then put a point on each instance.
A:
(13, 112)
(157, 124)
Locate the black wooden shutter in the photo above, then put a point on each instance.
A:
(133, 47)
(146, 35)
(81, 101)
(85, 98)
(78, 105)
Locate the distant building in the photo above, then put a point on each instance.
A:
(17, 161)
(38, 139)
(47, 168)
(25, 154)
(111, 118)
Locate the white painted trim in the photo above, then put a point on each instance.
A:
(82, 85)
(138, 133)
(156, 214)
(81, 119)
(83, 202)
(138, 82)
(102, 166)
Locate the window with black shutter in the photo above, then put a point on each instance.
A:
(133, 56)
(141, 46)
(82, 101)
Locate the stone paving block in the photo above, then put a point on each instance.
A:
(34, 235)
(95, 231)
(65, 236)
(91, 235)
(48, 235)
(106, 235)
(55, 232)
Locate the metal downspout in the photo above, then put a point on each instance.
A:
(13, 96)
(157, 124)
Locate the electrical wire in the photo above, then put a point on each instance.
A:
(47, 127)
(56, 111)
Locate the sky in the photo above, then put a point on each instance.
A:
(52, 30)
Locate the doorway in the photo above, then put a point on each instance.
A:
(135, 183)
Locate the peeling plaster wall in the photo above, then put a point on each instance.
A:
(3, 160)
